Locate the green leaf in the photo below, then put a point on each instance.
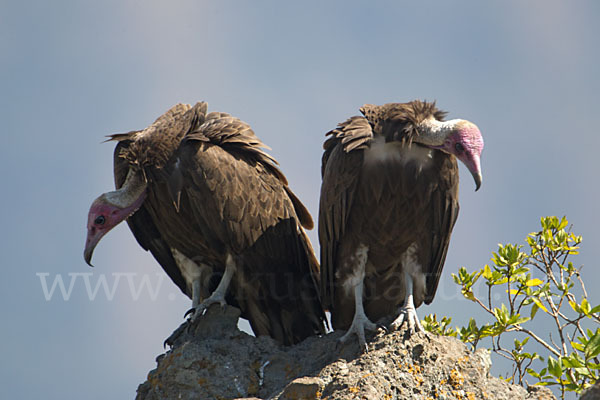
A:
(534, 282)
(574, 306)
(554, 367)
(578, 346)
(592, 348)
(487, 272)
(595, 309)
(563, 223)
(585, 307)
(571, 362)
(539, 304)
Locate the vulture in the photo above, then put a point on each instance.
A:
(389, 201)
(200, 193)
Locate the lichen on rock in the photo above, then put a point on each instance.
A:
(213, 359)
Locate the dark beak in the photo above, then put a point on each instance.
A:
(90, 244)
(87, 256)
(477, 177)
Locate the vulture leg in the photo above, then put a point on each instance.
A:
(408, 312)
(360, 320)
(218, 296)
(195, 273)
(197, 291)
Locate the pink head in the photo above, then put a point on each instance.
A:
(458, 137)
(102, 217)
(466, 143)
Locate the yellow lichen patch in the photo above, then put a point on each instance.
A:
(419, 379)
(367, 375)
(456, 378)
(318, 394)
(414, 369)
(471, 396)
(353, 389)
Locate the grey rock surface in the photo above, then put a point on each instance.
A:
(212, 359)
(591, 393)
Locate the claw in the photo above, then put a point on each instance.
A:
(202, 307)
(188, 312)
(408, 314)
(360, 322)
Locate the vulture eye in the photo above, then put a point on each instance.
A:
(459, 147)
(100, 220)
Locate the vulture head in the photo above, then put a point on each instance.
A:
(458, 137)
(111, 208)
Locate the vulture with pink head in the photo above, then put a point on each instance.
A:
(389, 201)
(200, 193)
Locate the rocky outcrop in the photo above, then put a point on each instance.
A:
(591, 393)
(212, 359)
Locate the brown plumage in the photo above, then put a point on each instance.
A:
(387, 209)
(215, 201)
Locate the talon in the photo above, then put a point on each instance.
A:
(188, 312)
(408, 315)
(358, 326)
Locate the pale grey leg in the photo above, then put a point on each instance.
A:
(218, 296)
(360, 320)
(408, 312)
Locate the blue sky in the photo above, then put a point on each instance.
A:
(73, 71)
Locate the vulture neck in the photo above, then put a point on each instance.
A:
(131, 191)
(433, 133)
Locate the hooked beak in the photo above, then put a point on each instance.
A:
(472, 163)
(477, 177)
(475, 168)
(93, 237)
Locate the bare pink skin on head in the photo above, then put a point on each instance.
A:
(466, 143)
(102, 217)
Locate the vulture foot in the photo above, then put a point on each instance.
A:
(359, 324)
(215, 298)
(189, 312)
(409, 315)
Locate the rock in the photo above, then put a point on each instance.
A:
(591, 393)
(539, 393)
(305, 388)
(213, 359)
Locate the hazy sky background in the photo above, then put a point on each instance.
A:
(73, 71)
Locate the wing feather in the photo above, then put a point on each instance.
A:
(340, 171)
(241, 198)
(142, 226)
(445, 208)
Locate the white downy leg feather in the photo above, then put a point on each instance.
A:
(360, 320)
(218, 296)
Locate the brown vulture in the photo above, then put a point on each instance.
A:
(389, 201)
(210, 204)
